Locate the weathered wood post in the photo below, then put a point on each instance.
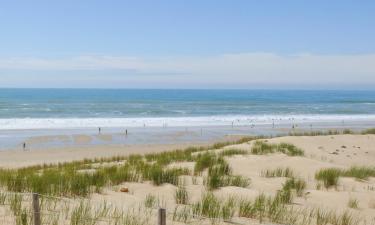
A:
(162, 217)
(36, 209)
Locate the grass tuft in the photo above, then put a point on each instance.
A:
(369, 131)
(278, 172)
(353, 203)
(329, 177)
(261, 148)
(181, 196)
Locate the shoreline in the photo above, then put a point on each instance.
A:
(24, 158)
(258, 175)
(11, 140)
(14, 124)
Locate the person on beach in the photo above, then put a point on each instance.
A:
(24, 146)
(100, 130)
(126, 132)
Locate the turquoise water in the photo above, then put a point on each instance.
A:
(60, 108)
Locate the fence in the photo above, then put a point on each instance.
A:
(36, 211)
(38, 208)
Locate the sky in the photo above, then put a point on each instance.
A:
(188, 44)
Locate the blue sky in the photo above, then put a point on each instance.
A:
(195, 44)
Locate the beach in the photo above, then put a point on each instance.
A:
(187, 113)
(340, 151)
(207, 157)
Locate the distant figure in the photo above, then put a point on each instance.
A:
(126, 132)
(293, 127)
(24, 146)
(100, 130)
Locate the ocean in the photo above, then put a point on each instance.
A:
(85, 108)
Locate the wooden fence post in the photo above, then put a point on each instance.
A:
(36, 209)
(162, 217)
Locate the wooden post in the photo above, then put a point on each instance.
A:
(36, 209)
(162, 217)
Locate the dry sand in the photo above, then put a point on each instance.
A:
(20, 158)
(358, 150)
(340, 151)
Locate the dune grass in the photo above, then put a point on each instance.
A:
(359, 172)
(204, 161)
(220, 175)
(296, 184)
(181, 196)
(150, 201)
(182, 214)
(232, 152)
(316, 133)
(214, 208)
(260, 148)
(353, 203)
(330, 176)
(278, 172)
(289, 149)
(331, 132)
(71, 179)
(209, 206)
(369, 131)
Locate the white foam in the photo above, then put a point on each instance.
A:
(62, 123)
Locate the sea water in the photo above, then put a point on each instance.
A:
(83, 108)
(152, 114)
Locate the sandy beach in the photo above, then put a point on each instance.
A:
(328, 151)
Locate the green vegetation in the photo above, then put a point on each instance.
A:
(296, 184)
(72, 179)
(209, 206)
(330, 132)
(204, 161)
(347, 131)
(214, 208)
(330, 176)
(219, 171)
(316, 133)
(369, 131)
(279, 172)
(182, 214)
(290, 149)
(81, 178)
(181, 196)
(353, 203)
(231, 152)
(359, 172)
(150, 201)
(261, 148)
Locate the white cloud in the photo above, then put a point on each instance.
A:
(245, 68)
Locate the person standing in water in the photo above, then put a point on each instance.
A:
(24, 146)
(100, 130)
